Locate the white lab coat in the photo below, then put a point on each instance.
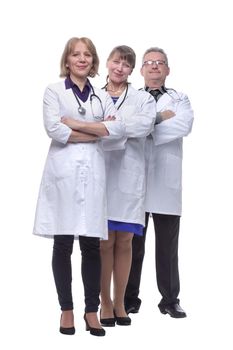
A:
(164, 155)
(126, 168)
(72, 196)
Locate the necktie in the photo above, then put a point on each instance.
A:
(156, 93)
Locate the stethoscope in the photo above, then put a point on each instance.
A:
(176, 98)
(125, 95)
(168, 91)
(82, 110)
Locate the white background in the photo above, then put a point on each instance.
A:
(197, 38)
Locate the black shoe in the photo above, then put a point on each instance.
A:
(107, 322)
(122, 321)
(174, 310)
(99, 332)
(68, 331)
(132, 306)
(132, 309)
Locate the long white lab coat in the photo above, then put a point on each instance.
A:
(72, 196)
(164, 155)
(126, 168)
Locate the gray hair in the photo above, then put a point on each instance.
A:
(156, 49)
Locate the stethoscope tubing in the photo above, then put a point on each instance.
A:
(81, 109)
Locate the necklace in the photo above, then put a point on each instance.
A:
(116, 91)
(125, 95)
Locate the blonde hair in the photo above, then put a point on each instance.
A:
(69, 47)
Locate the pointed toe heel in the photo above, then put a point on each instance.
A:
(99, 332)
(122, 321)
(67, 331)
(108, 322)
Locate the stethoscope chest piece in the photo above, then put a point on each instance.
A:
(81, 110)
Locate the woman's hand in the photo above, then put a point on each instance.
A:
(78, 137)
(93, 128)
(110, 118)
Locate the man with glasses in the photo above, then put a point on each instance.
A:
(164, 188)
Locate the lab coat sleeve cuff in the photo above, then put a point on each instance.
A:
(59, 132)
(116, 128)
(112, 145)
(159, 118)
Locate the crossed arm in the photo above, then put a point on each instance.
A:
(79, 136)
(161, 116)
(92, 131)
(85, 131)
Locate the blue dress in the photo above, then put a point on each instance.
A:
(137, 229)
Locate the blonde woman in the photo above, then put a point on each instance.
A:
(72, 198)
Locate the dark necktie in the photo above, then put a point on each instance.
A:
(156, 93)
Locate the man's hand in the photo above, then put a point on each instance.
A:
(167, 114)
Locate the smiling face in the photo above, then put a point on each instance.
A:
(79, 61)
(118, 69)
(154, 69)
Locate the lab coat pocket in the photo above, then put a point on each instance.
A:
(59, 167)
(131, 179)
(173, 171)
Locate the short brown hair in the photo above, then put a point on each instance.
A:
(126, 53)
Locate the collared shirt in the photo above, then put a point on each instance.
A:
(83, 95)
(156, 93)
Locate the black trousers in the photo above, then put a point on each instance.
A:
(166, 260)
(90, 269)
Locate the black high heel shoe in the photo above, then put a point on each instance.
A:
(107, 322)
(122, 321)
(67, 330)
(99, 332)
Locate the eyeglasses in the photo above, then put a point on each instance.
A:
(157, 62)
